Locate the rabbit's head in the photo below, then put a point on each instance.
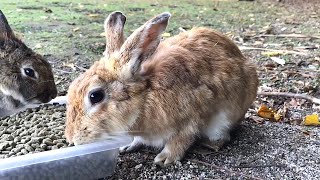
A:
(25, 75)
(108, 97)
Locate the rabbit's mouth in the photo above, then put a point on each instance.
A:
(46, 96)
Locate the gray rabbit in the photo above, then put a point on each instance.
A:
(25, 77)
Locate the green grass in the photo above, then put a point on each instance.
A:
(55, 31)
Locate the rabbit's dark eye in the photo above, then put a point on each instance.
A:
(96, 96)
(30, 72)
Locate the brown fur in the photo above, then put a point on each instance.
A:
(175, 91)
(113, 27)
(17, 89)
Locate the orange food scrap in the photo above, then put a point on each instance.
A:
(311, 120)
(268, 113)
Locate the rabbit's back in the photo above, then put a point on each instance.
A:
(202, 57)
(200, 71)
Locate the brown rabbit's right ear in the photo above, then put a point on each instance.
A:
(5, 30)
(113, 27)
(141, 45)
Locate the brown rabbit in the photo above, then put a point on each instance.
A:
(26, 77)
(195, 84)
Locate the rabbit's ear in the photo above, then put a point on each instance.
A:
(113, 27)
(141, 44)
(5, 30)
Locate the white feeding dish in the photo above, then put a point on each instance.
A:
(88, 161)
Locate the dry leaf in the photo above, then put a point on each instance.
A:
(268, 113)
(38, 46)
(278, 60)
(311, 120)
(306, 133)
(81, 6)
(272, 53)
(44, 17)
(166, 35)
(70, 65)
(94, 15)
(76, 29)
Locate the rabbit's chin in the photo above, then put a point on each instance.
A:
(85, 140)
(13, 94)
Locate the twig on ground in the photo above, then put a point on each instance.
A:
(81, 68)
(275, 50)
(222, 169)
(289, 36)
(292, 95)
(260, 166)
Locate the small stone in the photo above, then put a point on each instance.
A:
(24, 151)
(43, 146)
(43, 132)
(35, 145)
(38, 150)
(11, 153)
(59, 145)
(35, 140)
(24, 141)
(28, 148)
(53, 137)
(16, 150)
(48, 142)
(54, 147)
(178, 163)
(4, 145)
(5, 152)
(24, 133)
(55, 142)
(160, 173)
(5, 124)
(20, 146)
(62, 141)
(12, 143)
(9, 148)
(138, 166)
(10, 138)
(17, 139)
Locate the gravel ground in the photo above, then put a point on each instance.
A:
(266, 151)
(257, 151)
(34, 130)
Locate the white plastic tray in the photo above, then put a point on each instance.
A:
(88, 161)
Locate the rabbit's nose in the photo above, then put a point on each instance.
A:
(52, 96)
(48, 94)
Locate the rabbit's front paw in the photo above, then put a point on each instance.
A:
(174, 149)
(165, 158)
(134, 145)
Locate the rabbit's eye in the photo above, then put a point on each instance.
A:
(96, 96)
(30, 72)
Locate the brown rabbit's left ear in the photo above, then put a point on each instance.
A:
(141, 44)
(5, 30)
(113, 27)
